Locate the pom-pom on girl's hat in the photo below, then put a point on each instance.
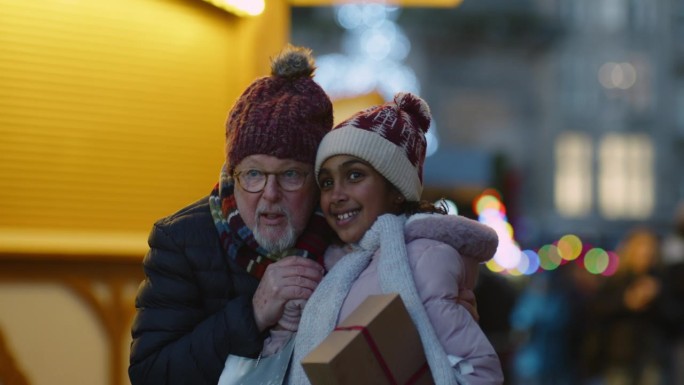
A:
(391, 137)
(283, 115)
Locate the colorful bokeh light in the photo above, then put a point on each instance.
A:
(533, 262)
(549, 258)
(613, 263)
(510, 259)
(569, 247)
(596, 260)
(488, 201)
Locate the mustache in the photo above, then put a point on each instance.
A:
(265, 209)
(274, 240)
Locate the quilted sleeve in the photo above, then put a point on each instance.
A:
(175, 341)
(439, 271)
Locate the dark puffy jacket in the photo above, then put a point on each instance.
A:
(194, 307)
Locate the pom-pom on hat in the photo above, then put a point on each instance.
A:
(283, 115)
(391, 137)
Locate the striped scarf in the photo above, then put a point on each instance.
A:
(238, 240)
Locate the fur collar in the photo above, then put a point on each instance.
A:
(471, 238)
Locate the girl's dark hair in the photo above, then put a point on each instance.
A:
(410, 208)
(418, 207)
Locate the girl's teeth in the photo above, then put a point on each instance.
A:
(348, 215)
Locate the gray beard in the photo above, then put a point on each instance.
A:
(278, 245)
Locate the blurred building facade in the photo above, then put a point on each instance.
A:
(571, 108)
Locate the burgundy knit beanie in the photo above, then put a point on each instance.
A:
(391, 137)
(283, 115)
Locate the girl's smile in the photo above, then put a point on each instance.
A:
(353, 196)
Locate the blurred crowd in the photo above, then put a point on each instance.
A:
(568, 326)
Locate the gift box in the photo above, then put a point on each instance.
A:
(376, 344)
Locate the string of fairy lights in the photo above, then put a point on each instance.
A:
(510, 259)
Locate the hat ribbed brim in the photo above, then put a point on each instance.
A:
(387, 158)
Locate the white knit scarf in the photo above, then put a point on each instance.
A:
(322, 309)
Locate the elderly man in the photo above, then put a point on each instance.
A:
(219, 272)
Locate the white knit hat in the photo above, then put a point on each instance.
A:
(391, 137)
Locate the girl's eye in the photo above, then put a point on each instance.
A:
(324, 183)
(354, 175)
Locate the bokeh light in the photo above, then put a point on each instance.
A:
(493, 266)
(569, 247)
(507, 254)
(596, 260)
(549, 258)
(617, 75)
(613, 263)
(533, 261)
(374, 47)
(488, 202)
(511, 260)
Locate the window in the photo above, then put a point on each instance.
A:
(573, 177)
(625, 179)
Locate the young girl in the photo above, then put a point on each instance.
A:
(369, 169)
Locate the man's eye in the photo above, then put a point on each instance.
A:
(253, 174)
(291, 174)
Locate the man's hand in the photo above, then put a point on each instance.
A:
(291, 278)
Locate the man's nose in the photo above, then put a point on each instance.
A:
(271, 188)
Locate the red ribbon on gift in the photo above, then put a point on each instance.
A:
(376, 352)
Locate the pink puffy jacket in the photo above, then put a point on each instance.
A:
(444, 252)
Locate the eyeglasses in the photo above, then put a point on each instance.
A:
(254, 181)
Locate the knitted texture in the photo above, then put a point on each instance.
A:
(323, 307)
(396, 276)
(391, 137)
(283, 115)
